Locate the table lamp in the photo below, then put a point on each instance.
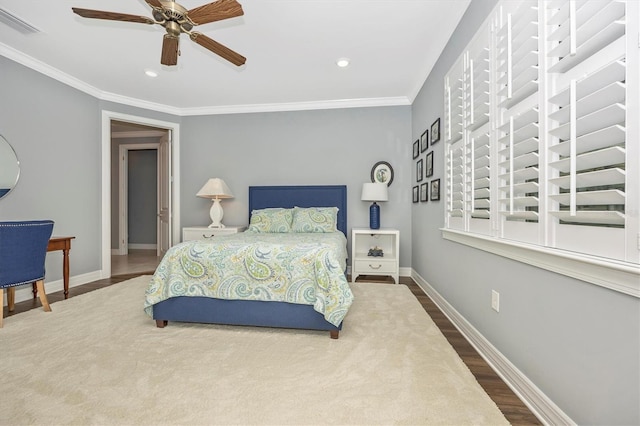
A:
(374, 192)
(216, 189)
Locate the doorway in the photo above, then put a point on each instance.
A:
(137, 133)
(135, 213)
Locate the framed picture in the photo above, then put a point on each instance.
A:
(424, 141)
(429, 165)
(419, 174)
(416, 149)
(435, 189)
(382, 172)
(415, 194)
(435, 131)
(424, 192)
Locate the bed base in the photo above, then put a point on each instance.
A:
(241, 312)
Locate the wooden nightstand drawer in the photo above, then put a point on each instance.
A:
(376, 265)
(204, 233)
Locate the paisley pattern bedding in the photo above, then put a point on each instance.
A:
(287, 267)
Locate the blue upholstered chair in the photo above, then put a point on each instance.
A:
(23, 248)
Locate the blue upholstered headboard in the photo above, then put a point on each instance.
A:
(262, 197)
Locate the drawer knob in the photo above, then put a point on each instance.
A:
(375, 267)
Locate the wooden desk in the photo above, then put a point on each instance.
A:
(64, 244)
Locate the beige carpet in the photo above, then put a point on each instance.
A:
(98, 359)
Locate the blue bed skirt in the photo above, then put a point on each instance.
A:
(241, 312)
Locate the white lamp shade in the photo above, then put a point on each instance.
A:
(215, 188)
(374, 192)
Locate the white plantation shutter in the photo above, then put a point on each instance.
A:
(518, 131)
(455, 188)
(587, 120)
(467, 131)
(455, 166)
(542, 128)
(478, 127)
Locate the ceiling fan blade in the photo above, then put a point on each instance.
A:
(112, 16)
(216, 11)
(154, 3)
(218, 49)
(169, 50)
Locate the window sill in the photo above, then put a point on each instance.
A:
(623, 277)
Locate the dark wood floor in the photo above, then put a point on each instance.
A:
(513, 409)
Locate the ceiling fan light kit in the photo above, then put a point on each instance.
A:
(177, 20)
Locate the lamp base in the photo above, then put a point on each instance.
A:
(374, 216)
(216, 213)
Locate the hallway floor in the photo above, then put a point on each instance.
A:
(136, 262)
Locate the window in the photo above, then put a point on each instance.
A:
(542, 137)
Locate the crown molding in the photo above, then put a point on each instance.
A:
(65, 78)
(49, 71)
(298, 106)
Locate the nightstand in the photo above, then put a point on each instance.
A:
(364, 239)
(204, 233)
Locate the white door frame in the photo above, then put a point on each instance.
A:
(123, 192)
(107, 117)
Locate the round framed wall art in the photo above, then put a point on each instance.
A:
(382, 172)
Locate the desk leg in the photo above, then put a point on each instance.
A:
(65, 272)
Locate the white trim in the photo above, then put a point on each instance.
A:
(24, 292)
(138, 134)
(48, 70)
(405, 272)
(64, 78)
(539, 403)
(298, 106)
(141, 246)
(107, 117)
(623, 277)
(123, 201)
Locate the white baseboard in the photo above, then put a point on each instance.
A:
(539, 404)
(24, 292)
(143, 246)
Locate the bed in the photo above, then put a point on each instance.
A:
(181, 289)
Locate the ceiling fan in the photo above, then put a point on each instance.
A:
(177, 20)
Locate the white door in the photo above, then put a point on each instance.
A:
(164, 194)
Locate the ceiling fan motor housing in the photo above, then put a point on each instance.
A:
(173, 28)
(174, 13)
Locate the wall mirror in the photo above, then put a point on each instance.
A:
(9, 167)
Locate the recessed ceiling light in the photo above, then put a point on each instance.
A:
(151, 73)
(342, 62)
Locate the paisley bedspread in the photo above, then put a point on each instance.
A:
(286, 267)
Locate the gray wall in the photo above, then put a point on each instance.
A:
(327, 147)
(579, 343)
(54, 130)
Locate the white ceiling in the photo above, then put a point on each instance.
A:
(291, 48)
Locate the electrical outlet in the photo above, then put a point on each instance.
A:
(495, 300)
